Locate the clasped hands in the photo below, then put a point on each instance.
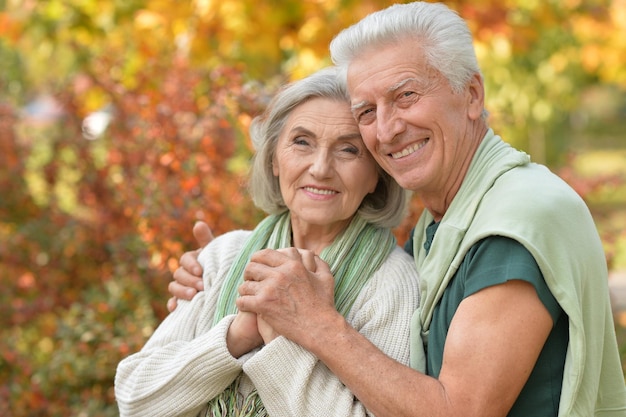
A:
(282, 294)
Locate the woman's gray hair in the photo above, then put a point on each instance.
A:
(441, 33)
(385, 207)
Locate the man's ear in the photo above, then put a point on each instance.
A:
(476, 91)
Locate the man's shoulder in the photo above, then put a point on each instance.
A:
(532, 187)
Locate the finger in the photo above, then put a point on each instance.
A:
(321, 265)
(203, 234)
(308, 259)
(275, 257)
(181, 291)
(263, 270)
(248, 288)
(291, 252)
(267, 332)
(171, 304)
(248, 304)
(190, 271)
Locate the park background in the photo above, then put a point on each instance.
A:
(122, 122)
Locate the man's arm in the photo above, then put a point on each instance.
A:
(188, 277)
(492, 345)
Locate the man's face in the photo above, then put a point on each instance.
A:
(414, 125)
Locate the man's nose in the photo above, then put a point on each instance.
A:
(388, 124)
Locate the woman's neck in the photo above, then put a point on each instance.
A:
(315, 237)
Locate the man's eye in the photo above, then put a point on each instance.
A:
(366, 116)
(408, 97)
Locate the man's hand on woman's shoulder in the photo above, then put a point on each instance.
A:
(187, 280)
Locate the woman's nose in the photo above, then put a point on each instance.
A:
(321, 164)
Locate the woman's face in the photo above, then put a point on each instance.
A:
(323, 166)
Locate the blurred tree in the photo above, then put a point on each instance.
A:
(94, 215)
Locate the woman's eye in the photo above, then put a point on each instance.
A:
(300, 140)
(351, 149)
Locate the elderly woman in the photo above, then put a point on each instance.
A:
(326, 197)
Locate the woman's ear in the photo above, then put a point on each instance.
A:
(375, 186)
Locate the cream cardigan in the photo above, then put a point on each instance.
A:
(504, 194)
(185, 362)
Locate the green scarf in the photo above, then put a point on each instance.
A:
(353, 257)
(504, 194)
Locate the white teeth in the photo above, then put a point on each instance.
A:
(318, 191)
(409, 150)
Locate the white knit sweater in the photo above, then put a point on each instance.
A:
(186, 362)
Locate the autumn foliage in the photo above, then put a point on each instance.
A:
(92, 224)
(91, 277)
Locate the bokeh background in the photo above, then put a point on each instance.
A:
(122, 122)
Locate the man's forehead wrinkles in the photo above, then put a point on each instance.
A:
(390, 89)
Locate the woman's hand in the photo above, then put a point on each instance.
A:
(243, 334)
(266, 331)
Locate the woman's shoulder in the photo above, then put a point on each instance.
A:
(401, 258)
(399, 269)
(396, 283)
(226, 244)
